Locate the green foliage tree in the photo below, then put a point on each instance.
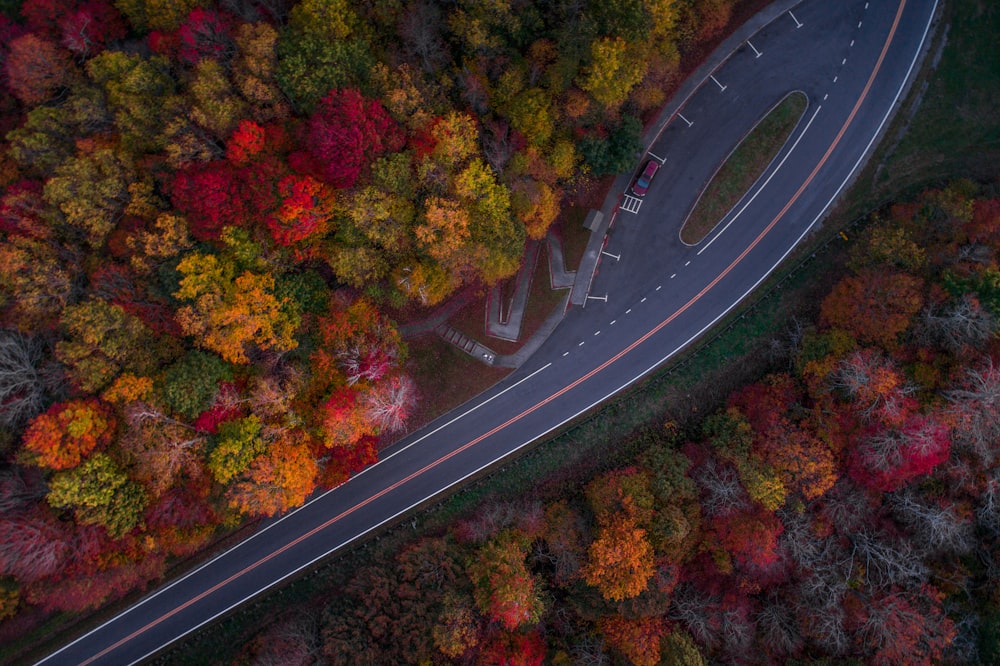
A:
(99, 492)
(238, 445)
(616, 153)
(189, 385)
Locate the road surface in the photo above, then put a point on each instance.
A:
(850, 57)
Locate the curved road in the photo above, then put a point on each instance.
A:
(850, 57)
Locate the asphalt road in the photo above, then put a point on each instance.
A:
(850, 57)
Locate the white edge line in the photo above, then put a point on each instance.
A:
(591, 406)
(764, 184)
(253, 536)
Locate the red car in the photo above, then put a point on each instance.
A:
(641, 185)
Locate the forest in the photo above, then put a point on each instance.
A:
(214, 213)
(845, 508)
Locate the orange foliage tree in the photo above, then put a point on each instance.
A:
(638, 639)
(279, 479)
(620, 560)
(874, 305)
(62, 436)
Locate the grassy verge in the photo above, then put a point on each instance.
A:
(743, 167)
(574, 236)
(948, 127)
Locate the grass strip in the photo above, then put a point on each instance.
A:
(743, 167)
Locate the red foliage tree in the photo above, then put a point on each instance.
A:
(888, 458)
(304, 209)
(898, 628)
(346, 133)
(638, 640)
(90, 26)
(206, 34)
(341, 462)
(752, 541)
(763, 403)
(211, 196)
(86, 592)
(32, 546)
(246, 142)
(514, 650)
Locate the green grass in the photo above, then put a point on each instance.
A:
(949, 126)
(743, 167)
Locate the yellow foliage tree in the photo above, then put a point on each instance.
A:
(614, 70)
(229, 313)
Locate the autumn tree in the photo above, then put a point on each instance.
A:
(102, 341)
(957, 325)
(99, 493)
(304, 209)
(388, 403)
(37, 277)
(62, 436)
(874, 386)
(33, 546)
(232, 312)
(620, 560)
(638, 640)
(612, 72)
(343, 419)
(347, 132)
(90, 26)
(322, 49)
(239, 443)
(889, 458)
(189, 385)
(505, 589)
(141, 93)
(211, 196)
(875, 305)
(159, 447)
(36, 68)
(91, 191)
(146, 15)
(205, 35)
(896, 627)
(214, 104)
(366, 343)
(456, 630)
(254, 69)
(279, 479)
